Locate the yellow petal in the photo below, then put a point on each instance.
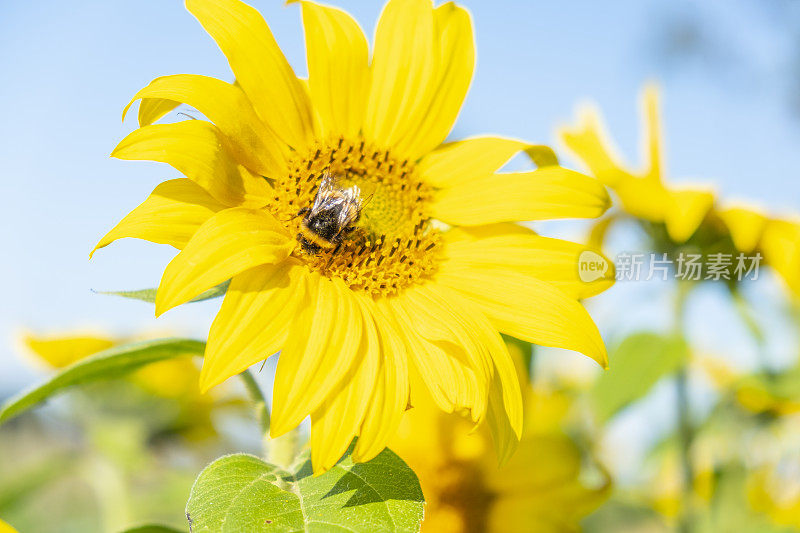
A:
(259, 66)
(338, 68)
(403, 70)
(195, 148)
(685, 211)
(462, 162)
(5, 528)
(745, 225)
(504, 414)
(510, 246)
(643, 198)
(550, 192)
(589, 141)
(254, 320)
(653, 141)
(781, 246)
(59, 352)
(337, 420)
(441, 363)
(152, 109)
(455, 46)
(321, 349)
(170, 215)
(227, 244)
(390, 397)
(438, 320)
(529, 309)
(596, 239)
(250, 141)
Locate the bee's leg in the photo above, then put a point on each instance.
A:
(333, 253)
(302, 212)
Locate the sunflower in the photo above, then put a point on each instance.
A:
(5, 528)
(416, 292)
(643, 193)
(545, 487)
(679, 217)
(663, 484)
(780, 243)
(775, 495)
(772, 485)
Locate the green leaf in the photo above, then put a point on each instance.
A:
(108, 364)
(149, 295)
(634, 367)
(241, 492)
(152, 528)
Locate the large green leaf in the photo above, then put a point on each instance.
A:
(149, 295)
(634, 367)
(241, 493)
(108, 364)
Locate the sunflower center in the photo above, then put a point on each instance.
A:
(390, 246)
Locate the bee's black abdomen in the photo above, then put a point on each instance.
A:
(308, 247)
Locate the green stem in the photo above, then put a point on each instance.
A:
(750, 321)
(283, 449)
(685, 429)
(259, 401)
(686, 436)
(794, 310)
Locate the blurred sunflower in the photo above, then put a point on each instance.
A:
(540, 489)
(642, 194)
(679, 218)
(780, 244)
(172, 379)
(399, 299)
(664, 485)
(763, 392)
(5, 528)
(773, 480)
(776, 496)
(769, 461)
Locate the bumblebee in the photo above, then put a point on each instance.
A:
(331, 217)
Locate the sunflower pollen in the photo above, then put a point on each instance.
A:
(393, 244)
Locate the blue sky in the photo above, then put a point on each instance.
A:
(68, 68)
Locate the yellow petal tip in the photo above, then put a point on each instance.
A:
(205, 385)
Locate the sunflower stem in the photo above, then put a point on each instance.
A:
(259, 402)
(282, 449)
(685, 429)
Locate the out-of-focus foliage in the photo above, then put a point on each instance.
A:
(637, 364)
(121, 449)
(82, 367)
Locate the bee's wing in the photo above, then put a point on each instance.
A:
(326, 190)
(351, 205)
